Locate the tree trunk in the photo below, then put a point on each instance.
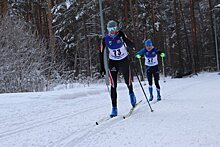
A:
(202, 35)
(177, 28)
(126, 12)
(87, 47)
(194, 40)
(189, 51)
(153, 19)
(132, 19)
(3, 8)
(51, 33)
(212, 27)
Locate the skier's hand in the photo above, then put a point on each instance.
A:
(162, 55)
(102, 72)
(138, 56)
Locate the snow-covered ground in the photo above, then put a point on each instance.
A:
(187, 116)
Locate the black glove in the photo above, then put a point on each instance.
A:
(130, 59)
(102, 72)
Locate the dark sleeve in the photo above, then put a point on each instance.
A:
(159, 52)
(128, 42)
(101, 54)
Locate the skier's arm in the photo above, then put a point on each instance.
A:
(128, 42)
(130, 45)
(101, 56)
(139, 53)
(161, 53)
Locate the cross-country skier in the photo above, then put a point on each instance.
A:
(151, 62)
(117, 43)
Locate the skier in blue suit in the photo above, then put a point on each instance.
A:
(150, 53)
(117, 43)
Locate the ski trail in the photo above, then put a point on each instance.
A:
(89, 131)
(187, 115)
(85, 134)
(33, 124)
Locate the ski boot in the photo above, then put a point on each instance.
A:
(158, 95)
(114, 112)
(151, 93)
(132, 99)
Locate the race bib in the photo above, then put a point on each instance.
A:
(118, 54)
(151, 61)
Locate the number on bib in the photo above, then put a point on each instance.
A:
(117, 52)
(150, 60)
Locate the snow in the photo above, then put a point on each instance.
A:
(157, 25)
(217, 6)
(188, 115)
(68, 4)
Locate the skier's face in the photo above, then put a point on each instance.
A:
(112, 30)
(149, 47)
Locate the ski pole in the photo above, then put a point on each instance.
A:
(163, 69)
(106, 82)
(142, 70)
(135, 70)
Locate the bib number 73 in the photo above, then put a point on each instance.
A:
(117, 52)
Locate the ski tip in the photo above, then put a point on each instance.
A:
(96, 123)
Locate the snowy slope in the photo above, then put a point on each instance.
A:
(188, 115)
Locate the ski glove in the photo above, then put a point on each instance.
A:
(138, 56)
(102, 72)
(162, 55)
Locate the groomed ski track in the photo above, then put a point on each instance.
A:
(188, 115)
